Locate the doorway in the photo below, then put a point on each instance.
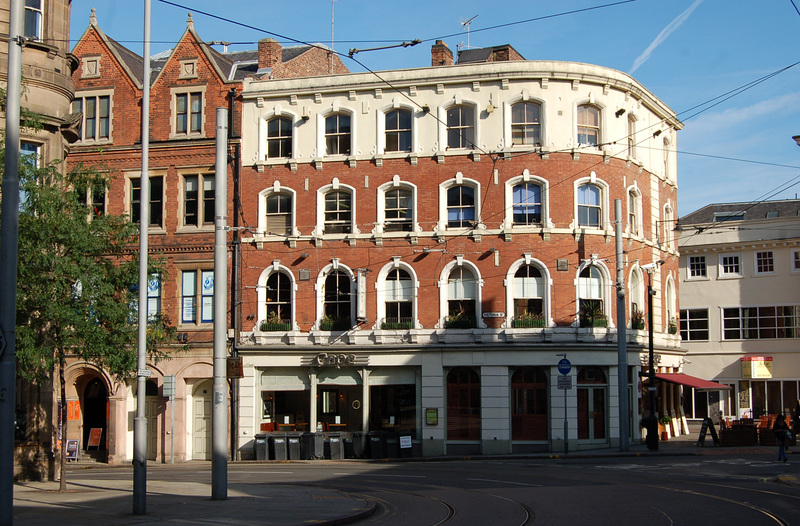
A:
(592, 405)
(95, 411)
(201, 421)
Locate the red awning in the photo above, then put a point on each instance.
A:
(692, 381)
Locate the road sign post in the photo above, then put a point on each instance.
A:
(564, 367)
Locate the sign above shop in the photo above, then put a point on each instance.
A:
(756, 366)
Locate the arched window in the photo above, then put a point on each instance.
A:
(463, 404)
(588, 125)
(589, 207)
(590, 293)
(337, 302)
(461, 298)
(461, 206)
(398, 210)
(460, 126)
(399, 297)
(528, 290)
(525, 124)
(398, 131)
(631, 136)
(636, 287)
(279, 138)
(527, 204)
(279, 302)
(529, 404)
(337, 134)
(279, 214)
(338, 213)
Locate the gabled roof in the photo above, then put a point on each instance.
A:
(130, 62)
(719, 212)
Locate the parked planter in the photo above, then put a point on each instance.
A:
(275, 326)
(463, 322)
(335, 325)
(637, 325)
(397, 325)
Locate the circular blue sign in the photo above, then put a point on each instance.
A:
(564, 366)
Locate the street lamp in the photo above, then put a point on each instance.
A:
(651, 422)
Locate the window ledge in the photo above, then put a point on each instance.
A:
(195, 230)
(91, 142)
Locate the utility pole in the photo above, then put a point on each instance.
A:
(651, 422)
(219, 414)
(140, 422)
(622, 350)
(9, 232)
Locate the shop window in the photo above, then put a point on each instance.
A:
(529, 404)
(463, 404)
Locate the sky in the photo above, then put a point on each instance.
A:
(694, 55)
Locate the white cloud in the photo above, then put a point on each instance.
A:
(666, 32)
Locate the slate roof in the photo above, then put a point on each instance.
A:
(746, 211)
(471, 56)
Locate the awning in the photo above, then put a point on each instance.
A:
(692, 381)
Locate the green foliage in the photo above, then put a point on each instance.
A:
(76, 278)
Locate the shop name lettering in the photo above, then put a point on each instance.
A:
(336, 360)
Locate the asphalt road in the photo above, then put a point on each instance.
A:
(725, 490)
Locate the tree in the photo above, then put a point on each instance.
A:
(76, 282)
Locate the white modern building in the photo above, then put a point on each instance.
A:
(740, 307)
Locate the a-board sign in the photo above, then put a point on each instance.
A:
(564, 382)
(95, 434)
(405, 441)
(707, 426)
(72, 449)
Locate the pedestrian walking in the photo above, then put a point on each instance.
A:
(782, 436)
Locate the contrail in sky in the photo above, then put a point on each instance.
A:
(666, 32)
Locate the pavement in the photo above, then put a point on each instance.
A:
(107, 500)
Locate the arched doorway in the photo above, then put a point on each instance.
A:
(151, 413)
(95, 411)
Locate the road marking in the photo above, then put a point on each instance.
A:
(507, 482)
(390, 476)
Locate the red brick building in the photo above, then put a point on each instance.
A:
(419, 247)
(187, 84)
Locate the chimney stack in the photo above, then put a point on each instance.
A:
(440, 54)
(269, 53)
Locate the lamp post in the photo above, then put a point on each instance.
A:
(651, 422)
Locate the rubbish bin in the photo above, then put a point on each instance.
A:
(293, 445)
(348, 447)
(377, 444)
(359, 444)
(312, 446)
(260, 445)
(392, 445)
(277, 447)
(406, 447)
(334, 448)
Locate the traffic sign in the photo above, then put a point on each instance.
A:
(565, 382)
(564, 366)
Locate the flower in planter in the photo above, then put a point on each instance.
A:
(637, 319)
(528, 320)
(672, 328)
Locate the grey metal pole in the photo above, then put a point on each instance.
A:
(140, 422)
(8, 265)
(622, 351)
(219, 414)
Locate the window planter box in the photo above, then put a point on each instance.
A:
(594, 322)
(459, 323)
(335, 325)
(397, 325)
(528, 323)
(275, 326)
(637, 325)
